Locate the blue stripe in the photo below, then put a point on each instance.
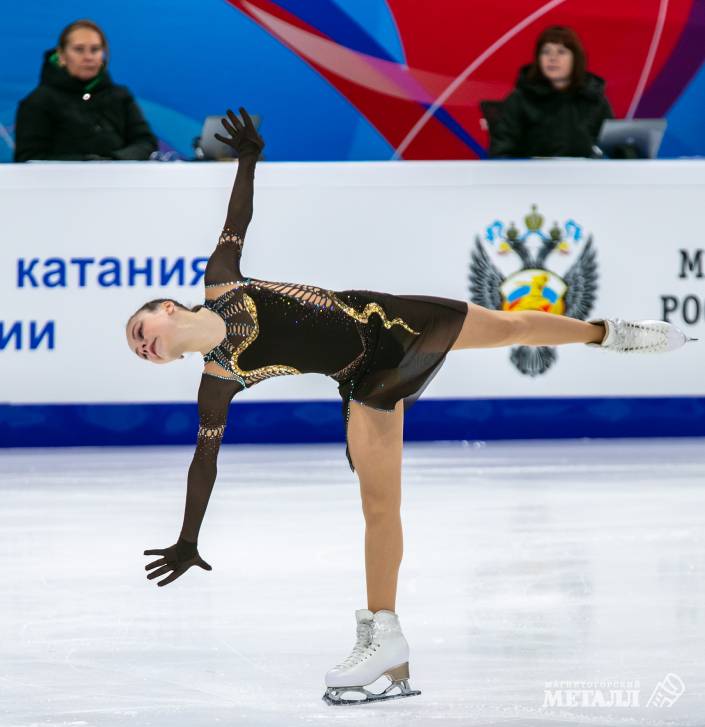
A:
(550, 294)
(49, 425)
(335, 23)
(377, 19)
(452, 125)
(518, 293)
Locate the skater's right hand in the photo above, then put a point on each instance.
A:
(243, 138)
(177, 558)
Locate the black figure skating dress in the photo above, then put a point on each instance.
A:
(378, 347)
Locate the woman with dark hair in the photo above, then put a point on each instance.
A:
(557, 107)
(381, 349)
(77, 113)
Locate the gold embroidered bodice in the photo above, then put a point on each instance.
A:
(276, 329)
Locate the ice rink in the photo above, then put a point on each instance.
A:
(541, 582)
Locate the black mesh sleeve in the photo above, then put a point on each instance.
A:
(224, 264)
(240, 206)
(214, 397)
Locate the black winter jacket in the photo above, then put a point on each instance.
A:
(537, 120)
(67, 119)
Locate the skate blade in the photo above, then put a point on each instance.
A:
(333, 695)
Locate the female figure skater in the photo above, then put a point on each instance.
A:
(381, 349)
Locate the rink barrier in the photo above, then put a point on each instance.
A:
(71, 425)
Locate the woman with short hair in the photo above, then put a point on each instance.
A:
(557, 107)
(77, 113)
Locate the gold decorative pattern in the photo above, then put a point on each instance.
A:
(265, 371)
(211, 432)
(371, 308)
(230, 307)
(321, 298)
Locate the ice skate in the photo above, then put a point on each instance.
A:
(380, 650)
(640, 336)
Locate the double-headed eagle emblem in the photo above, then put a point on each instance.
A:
(534, 286)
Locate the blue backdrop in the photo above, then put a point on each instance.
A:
(184, 60)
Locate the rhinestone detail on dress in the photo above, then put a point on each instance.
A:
(227, 306)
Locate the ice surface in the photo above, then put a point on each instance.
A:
(525, 563)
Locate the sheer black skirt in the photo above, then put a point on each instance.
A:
(397, 363)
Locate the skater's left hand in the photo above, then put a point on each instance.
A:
(243, 137)
(177, 558)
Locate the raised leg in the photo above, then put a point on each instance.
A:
(375, 441)
(484, 328)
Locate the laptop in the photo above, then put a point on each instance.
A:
(207, 147)
(644, 136)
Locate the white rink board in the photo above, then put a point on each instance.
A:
(405, 227)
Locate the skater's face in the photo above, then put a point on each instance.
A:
(556, 63)
(150, 334)
(83, 54)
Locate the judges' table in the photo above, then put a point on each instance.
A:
(84, 245)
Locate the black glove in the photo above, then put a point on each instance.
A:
(178, 558)
(243, 138)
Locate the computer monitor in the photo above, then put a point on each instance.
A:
(642, 135)
(208, 147)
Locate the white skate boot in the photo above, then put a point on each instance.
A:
(640, 336)
(380, 650)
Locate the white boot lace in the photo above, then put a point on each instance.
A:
(364, 635)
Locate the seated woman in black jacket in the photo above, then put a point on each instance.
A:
(77, 112)
(557, 107)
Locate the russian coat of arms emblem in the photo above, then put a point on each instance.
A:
(534, 286)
